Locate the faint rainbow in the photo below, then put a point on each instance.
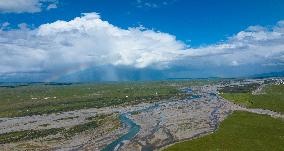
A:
(67, 71)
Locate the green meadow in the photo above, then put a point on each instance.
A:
(45, 98)
(51, 98)
(271, 99)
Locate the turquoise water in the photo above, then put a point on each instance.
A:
(134, 129)
(195, 97)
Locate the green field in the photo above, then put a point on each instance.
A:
(241, 131)
(45, 98)
(41, 98)
(272, 99)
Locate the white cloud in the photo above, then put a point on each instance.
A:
(51, 6)
(89, 41)
(25, 6)
(255, 45)
(4, 25)
(23, 26)
(150, 4)
(85, 40)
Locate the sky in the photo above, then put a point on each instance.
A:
(107, 40)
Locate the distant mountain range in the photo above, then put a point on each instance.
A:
(261, 75)
(267, 75)
(109, 73)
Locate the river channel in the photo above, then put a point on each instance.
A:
(133, 127)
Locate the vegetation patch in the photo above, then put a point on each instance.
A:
(80, 128)
(272, 99)
(244, 99)
(240, 131)
(239, 88)
(67, 118)
(39, 99)
(27, 135)
(45, 125)
(93, 123)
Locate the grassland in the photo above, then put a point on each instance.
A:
(272, 98)
(45, 98)
(240, 131)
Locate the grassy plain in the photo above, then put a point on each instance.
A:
(240, 131)
(272, 98)
(45, 98)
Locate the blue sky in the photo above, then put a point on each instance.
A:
(175, 38)
(194, 22)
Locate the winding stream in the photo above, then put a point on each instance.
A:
(134, 128)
